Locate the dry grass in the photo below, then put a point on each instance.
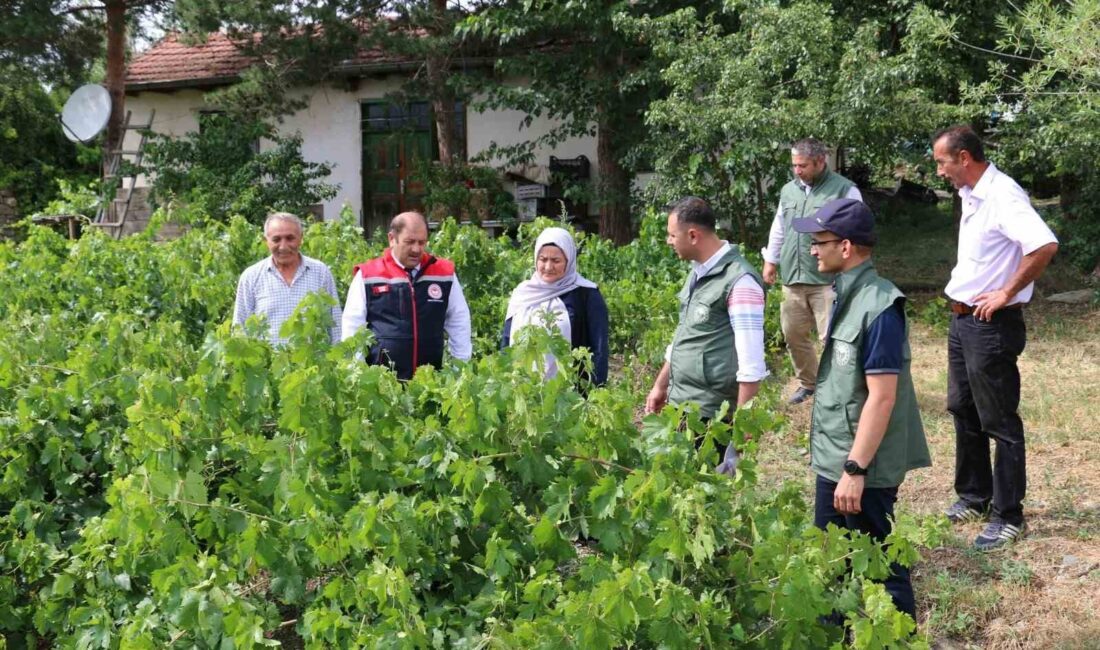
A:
(1044, 591)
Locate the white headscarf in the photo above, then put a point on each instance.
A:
(532, 294)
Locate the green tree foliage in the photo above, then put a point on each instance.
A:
(308, 43)
(33, 149)
(219, 172)
(62, 40)
(168, 481)
(582, 69)
(53, 38)
(745, 83)
(1043, 80)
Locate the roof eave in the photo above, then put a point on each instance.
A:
(352, 69)
(347, 69)
(182, 84)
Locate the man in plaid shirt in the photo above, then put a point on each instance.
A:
(274, 286)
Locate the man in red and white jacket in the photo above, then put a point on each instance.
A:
(409, 299)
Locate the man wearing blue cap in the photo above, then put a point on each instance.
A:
(866, 431)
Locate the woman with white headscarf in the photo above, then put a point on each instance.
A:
(557, 292)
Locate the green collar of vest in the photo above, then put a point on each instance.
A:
(854, 277)
(724, 261)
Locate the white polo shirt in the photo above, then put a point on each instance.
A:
(998, 228)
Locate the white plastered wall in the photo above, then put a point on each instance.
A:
(330, 128)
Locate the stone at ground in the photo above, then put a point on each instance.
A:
(1079, 297)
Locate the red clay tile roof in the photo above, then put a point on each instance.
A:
(171, 63)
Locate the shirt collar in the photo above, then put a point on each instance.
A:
(402, 266)
(703, 269)
(981, 188)
(304, 263)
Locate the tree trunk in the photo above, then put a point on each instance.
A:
(443, 110)
(761, 204)
(116, 77)
(442, 98)
(614, 184)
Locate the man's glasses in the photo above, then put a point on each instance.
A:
(819, 244)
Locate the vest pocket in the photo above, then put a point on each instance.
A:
(832, 419)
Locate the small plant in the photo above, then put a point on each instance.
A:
(959, 606)
(1016, 572)
(73, 198)
(466, 192)
(934, 314)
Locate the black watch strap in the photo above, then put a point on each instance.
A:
(852, 467)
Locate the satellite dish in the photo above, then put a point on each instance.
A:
(86, 113)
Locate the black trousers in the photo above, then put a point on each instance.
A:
(876, 510)
(983, 394)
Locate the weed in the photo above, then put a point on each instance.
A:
(1016, 572)
(959, 605)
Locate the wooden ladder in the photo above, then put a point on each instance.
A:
(116, 176)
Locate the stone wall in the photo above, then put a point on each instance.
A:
(137, 217)
(139, 214)
(9, 213)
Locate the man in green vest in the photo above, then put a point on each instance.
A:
(807, 292)
(717, 352)
(866, 431)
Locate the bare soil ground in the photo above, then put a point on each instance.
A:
(1044, 591)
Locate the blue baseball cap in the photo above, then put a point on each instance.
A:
(848, 218)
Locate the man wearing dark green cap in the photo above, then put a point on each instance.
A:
(866, 431)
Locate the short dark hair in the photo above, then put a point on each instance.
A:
(961, 138)
(692, 210)
(398, 223)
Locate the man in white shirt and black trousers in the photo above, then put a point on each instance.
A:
(1003, 247)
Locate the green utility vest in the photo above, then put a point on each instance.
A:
(796, 265)
(842, 387)
(703, 359)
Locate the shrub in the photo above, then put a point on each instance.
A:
(222, 171)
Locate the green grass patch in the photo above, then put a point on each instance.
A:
(917, 244)
(960, 605)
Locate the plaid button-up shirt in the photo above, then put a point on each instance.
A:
(262, 290)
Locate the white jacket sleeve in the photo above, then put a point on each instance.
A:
(456, 324)
(355, 309)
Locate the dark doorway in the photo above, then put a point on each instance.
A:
(397, 140)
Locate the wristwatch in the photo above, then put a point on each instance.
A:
(852, 468)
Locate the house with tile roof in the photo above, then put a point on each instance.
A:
(347, 121)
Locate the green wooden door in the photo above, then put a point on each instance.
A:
(396, 140)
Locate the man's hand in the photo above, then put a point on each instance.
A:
(771, 271)
(656, 399)
(986, 304)
(848, 494)
(658, 396)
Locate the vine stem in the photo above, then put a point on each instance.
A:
(46, 366)
(605, 463)
(504, 454)
(195, 504)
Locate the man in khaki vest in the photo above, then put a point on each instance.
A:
(807, 294)
(717, 352)
(866, 431)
